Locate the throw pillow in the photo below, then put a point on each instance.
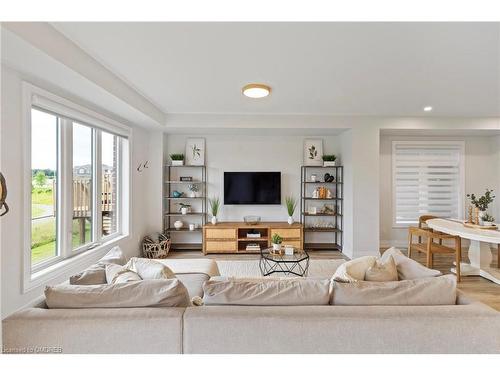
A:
(145, 293)
(120, 274)
(382, 271)
(149, 269)
(273, 292)
(96, 273)
(354, 270)
(422, 292)
(408, 269)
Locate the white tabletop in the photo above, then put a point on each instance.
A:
(456, 228)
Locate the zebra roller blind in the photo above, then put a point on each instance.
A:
(427, 179)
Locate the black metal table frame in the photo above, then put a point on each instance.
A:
(270, 266)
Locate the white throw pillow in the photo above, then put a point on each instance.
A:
(354, 270)
(408, 269)
(120, 274)
(149, 269)
(382, 271)
(96, 273)
(422, 292)
(145, 293)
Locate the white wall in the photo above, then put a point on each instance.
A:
(145, 192)
(481, 171)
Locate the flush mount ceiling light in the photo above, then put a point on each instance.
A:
(256, 90)
(428, 108)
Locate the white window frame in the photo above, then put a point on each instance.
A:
(69, 258)
(461, 202)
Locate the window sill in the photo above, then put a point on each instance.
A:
(69, 266)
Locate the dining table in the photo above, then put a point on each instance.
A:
(480, 255)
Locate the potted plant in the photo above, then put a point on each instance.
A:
(214, 208)
(185, 208)
(329, 160)
(291, 204)
(177, 159)
(193, 188)
(482, 202)
(276, 240)
(488, 220)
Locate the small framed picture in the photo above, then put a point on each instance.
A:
(313, 152)
(195, 151)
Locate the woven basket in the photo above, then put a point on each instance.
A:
(156, 250)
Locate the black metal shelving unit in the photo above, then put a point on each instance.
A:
(171, 214)
(337, 200)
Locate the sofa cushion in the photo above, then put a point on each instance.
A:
(149, 269)
(354, 270)
(120, 274)
(271, 292)
(408, 269)
(96, 273)
(193, 283)
(382, 271)
(420, 292)
(145, 293)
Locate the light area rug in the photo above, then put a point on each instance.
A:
(324, 268)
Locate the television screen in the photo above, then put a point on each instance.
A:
(252, 187)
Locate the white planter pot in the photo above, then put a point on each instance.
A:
(177, 162)
(481, 214)
(184, 210)
(214, 220)
(488, 223)
(178, 224)
(290, 220)
(193, 194)
(329, 164)
(276, 246)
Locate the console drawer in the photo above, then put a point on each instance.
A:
(287, 232)
(221, 246)
(220, 233)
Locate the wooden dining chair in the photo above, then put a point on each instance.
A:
(422, 224)
(429, 248)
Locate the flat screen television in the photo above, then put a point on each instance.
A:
(252, 187)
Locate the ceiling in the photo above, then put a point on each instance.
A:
(372, 69)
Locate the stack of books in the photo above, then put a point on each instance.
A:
(253, 246)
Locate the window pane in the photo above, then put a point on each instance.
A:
(44, 189)
(109, 157)
(82, 185)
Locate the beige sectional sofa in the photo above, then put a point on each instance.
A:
(466, 327)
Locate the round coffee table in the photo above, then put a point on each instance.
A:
(296, 264)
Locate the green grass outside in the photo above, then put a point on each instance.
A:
(43, 239)
(42, 196)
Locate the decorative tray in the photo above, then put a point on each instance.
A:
(476, 226)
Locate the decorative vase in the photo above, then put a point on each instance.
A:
(193, 194)
(184, 210)
(214, 220)
(191, 227)
(328, 164)
(314, 178)
(480, 216)
(178, 224)
(290, 220)
(177, 162)
(276, 247)
(176, 194)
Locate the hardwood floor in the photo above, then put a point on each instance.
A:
(474, 286)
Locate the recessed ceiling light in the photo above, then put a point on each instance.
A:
(256, 90)
(428, 108)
